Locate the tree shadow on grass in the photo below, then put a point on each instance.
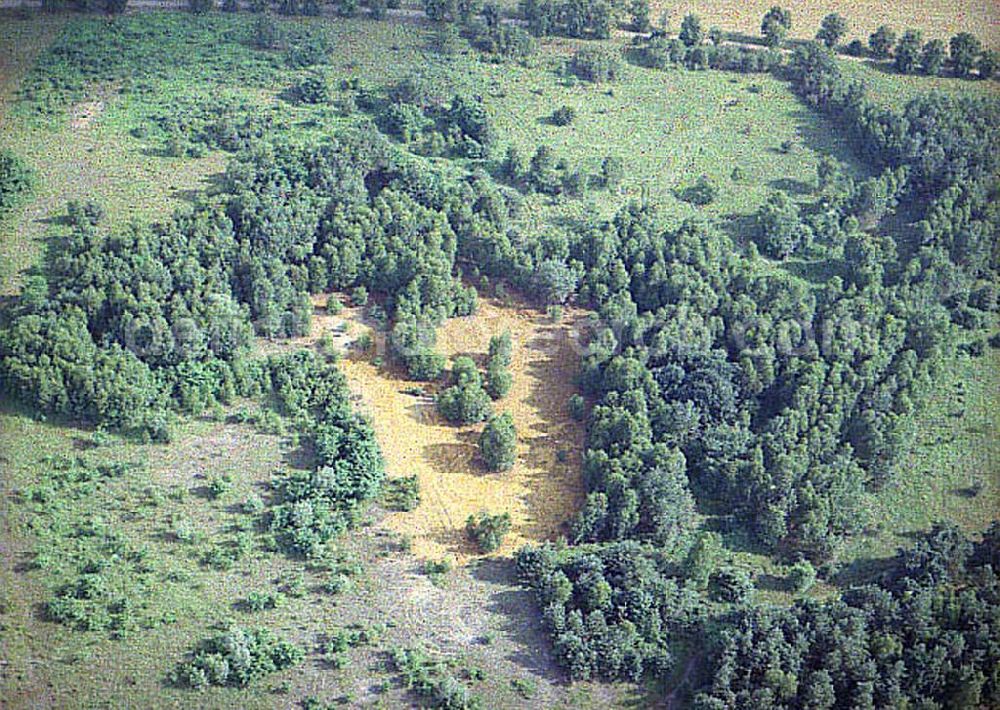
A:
(192, 196)
(863, 571)
(772, 583)
(818, 134)
(301, 457)
(453, 457)
(51, 422)
(555, 440)
(739, 227)
(733, 532)
(744, 38)
(518, 608)
(56, 220)
(792, 187)
(968, 492)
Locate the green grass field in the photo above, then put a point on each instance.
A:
(895, 90)
(670, 128)
(161, 506)
(953, 471)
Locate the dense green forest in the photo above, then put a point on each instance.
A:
(722, 392)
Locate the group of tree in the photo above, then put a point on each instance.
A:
(912, 55)
(126, 327)
(922, 634)
(569, 18)
(611, 611)
(465, 401)
(433, 680)
(192, 126)
(597, 64)
(548, 174)
(460, 128)
(584, 19)
(781, 403)
(505, 40)
(926, 636)
(313, 506)
(661, 52)
(964, 52)
(743, 405)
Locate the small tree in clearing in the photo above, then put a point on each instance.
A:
(776, 24)
(488, 531)
(498, 443)
(833, 28)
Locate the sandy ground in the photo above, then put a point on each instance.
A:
(540, 492)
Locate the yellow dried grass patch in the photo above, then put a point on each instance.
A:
(937, 18)
(541, 493)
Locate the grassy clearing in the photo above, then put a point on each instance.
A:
(671, 128)
(543, 489)
(895, 90)
(953, 472)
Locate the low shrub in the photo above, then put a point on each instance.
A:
(597, 64)
(433, 681)
(488, 531)
(16, 180)
(563, 116)
(402, 494)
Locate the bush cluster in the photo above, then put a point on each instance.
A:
(488, 531)
(597, 64)
(237, 657)
(433, 681)
(16, 180)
